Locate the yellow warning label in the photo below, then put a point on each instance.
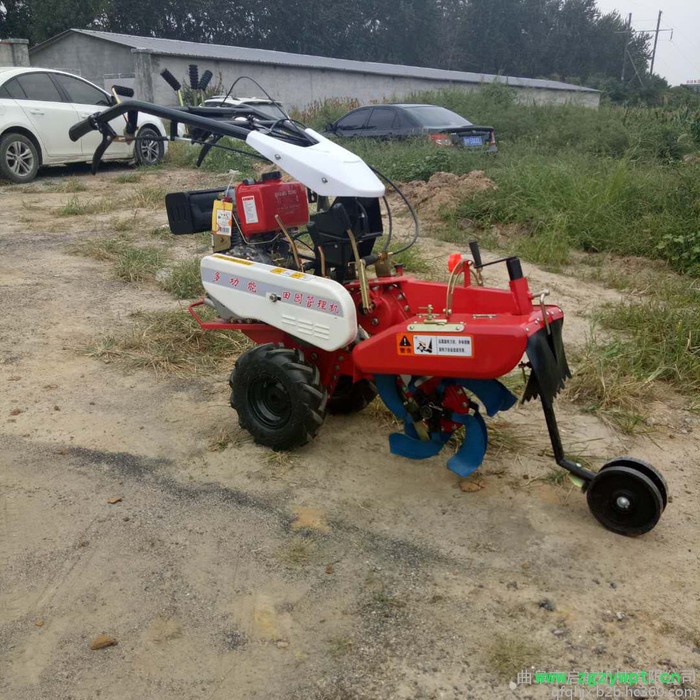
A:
(230, 258)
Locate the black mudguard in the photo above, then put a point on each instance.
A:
(550, 370)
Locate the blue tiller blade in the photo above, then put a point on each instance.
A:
(491, 393)
(470, 455)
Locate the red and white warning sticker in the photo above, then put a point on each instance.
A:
(444, 345)
(250, 211)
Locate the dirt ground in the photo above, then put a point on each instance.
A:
(338, 572)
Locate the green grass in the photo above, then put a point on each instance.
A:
(507, 654)
(128, 178)
(70, 184)
(149, 198)
(131, 263)
(135, 264)
(77, 207)
(169, 342)
(593, 204)
(649, 337)
(184, 281)
(660, 334)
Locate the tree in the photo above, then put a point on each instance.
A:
(38, 20)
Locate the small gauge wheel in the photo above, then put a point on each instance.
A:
(644, 468)
(624, 500)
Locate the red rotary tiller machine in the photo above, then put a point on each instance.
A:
(329, 336)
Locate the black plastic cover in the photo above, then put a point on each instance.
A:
(190, 212)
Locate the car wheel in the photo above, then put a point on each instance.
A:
(148, 149)
(19, 158)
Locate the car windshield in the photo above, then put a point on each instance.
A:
(271, 110)
(429, 115)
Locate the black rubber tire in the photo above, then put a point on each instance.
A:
(19, 158)
(147, 152)
(278, 396)
(351, 397)
(645, 468)
(644, 502)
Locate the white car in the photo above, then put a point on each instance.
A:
(37, 108)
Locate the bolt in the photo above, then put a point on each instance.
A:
(407, 308)
(399, 296)
(623, 503)
(337, 368)
(375, 321)
(341, 358)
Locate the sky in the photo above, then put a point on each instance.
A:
(677, 58)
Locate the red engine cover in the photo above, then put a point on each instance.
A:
(258, 203)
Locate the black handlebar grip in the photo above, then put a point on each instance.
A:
(205, 80)
(476, 253)
(194, 76)
(123, 91)
(171, 79)
(77, 131)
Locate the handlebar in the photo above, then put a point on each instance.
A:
(182, 116)
(82, 128)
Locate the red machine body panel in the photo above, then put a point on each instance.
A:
(486, 348)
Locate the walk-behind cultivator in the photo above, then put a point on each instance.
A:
(291, 270)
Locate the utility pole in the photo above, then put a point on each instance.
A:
(627, 41)
(656, 39)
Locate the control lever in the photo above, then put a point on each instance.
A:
(476, 254)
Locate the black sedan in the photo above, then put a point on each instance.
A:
(441, 125)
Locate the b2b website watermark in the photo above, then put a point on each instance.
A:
(613, 684)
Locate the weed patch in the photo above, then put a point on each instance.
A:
(508, 654)
(149, 198)
(653, 337)
(169, 342)
(184, 281)
(77, 207)
(138, 264)
(131, 263)
(128, 178)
